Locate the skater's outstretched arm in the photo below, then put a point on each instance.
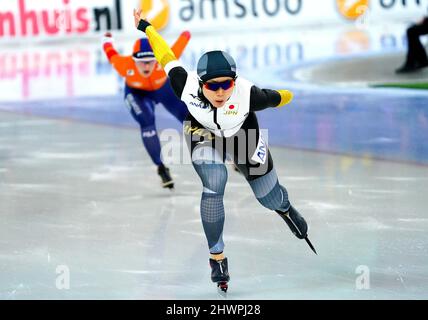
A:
(181, 43)
(161, 49)
(163, 53)
(119, 62)
(261, 99)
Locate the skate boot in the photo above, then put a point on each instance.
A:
(297, 225)
(167, 181)
(220, 273)
(295, 222)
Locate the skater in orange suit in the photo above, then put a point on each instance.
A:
(146, 84)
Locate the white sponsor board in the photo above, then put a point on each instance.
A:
(76, 69)
(43, 20)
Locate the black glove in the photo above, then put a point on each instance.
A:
(142, 25)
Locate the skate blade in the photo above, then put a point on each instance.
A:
(168, 185)
(310, 245)
(222, 288)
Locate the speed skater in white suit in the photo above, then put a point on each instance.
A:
(222, 122)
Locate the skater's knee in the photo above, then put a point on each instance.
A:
(272, 200)
(268, 191)
(276, 199)
(264, 184)
(145, 120)
(214, 178)
(212, 171)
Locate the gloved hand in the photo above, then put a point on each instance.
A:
(286, 97)
(107, 38)
(140, 24)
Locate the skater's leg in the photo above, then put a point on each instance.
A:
(416, 55)
(264, 182)
(260, 175)
(274, 196)
(416, 51)
(142, 109)
(268, 191)
(213, 174)
(209, 165)
(172, 104)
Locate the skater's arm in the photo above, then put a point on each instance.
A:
(178, 75)
(178, 78)
(116, 60)
(181, 43)
(162, 51)
(164, 55)
(108, 47)
(261, 99)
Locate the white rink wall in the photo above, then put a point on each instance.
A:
(44, 58)
(73, 69)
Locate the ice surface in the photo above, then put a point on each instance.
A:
(97, 207)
